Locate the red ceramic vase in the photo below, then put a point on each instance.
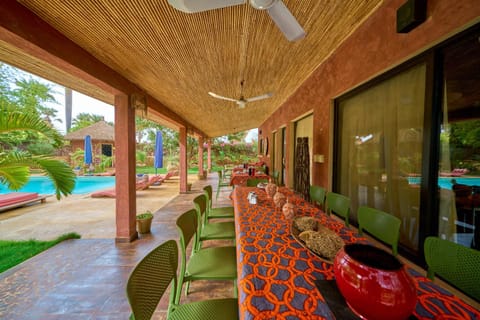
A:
(374, 283)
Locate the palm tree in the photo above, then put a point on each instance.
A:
(15, 165)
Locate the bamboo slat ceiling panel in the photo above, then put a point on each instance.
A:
(177, 58)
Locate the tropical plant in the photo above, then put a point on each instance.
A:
(83, 120)
(25, 94)
(15, 165)
(77, 157)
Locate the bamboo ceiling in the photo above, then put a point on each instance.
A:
(177, 58)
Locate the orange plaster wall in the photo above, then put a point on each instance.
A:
(372, 49)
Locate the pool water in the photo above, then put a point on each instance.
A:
(446, 182)
(44, 185)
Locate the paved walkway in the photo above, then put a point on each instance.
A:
(85, 278)
(89, 217)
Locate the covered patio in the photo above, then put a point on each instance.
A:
(398, 73)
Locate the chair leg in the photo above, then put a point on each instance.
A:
(187, 286)
(235, 289)
(218, 191)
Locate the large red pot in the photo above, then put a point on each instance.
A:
(374, 283)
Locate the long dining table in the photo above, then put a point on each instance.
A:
(240, 178)
(277, 275)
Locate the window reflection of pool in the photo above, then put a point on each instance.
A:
(447, 182)
(44, 185)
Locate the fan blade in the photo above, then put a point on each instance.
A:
(263, 96)
(222, 97)
(192, 6)
(286, 22)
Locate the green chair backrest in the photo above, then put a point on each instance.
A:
(253, 182)
(150, 279)
(317, 195)
(208, 190)
(275, 176)
(200, 203)
(187, 225)
(339, 204)
(221, 179)
(455, 263)
(381, 225)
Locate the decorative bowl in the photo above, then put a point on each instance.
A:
(374, 283)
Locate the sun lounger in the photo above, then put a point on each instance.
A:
(19, 199)
(455, 173)
(105, 174)
(141, 185)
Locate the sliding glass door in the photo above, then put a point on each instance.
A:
(379, 148)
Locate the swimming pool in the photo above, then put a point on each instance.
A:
(44, 185)
(446, 182)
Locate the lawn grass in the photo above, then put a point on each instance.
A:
(15, 252)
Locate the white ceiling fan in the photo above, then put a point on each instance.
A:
(277, 10)
(242, 101)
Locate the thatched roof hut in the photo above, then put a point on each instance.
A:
(103, 139)
(97, 131)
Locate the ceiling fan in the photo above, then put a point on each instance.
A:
(242, 101)
(277, 10)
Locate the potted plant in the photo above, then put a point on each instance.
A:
(144, 222)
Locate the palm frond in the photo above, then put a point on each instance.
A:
(59, 172)
(11, 120)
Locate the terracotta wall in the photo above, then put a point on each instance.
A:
(96, 146)
(372, 49)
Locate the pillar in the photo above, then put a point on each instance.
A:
(200, 156)
(209, 155)
(125, 199)
(183, 159)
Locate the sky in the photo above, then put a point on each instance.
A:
(80, 104)
(85, 104)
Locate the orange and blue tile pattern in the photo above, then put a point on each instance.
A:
(276, 274)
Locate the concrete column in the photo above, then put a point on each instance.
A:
(125, 169)
(200, 155)
(209, 155)
(183, 159)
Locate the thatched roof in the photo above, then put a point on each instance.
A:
(177, 58)
(97, 131)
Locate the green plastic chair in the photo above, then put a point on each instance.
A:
(207, 230)
(253, 182)
(222, 182)
(455, 263)
(338, 204)
(381, 225)
(213, 263)
(150, 279)
(317, 196)
(218, 212)
(275, 177)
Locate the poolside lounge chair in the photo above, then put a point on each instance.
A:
(105, 174)
(457, 172)
(153, 181)
(141, 185)
(18, 199)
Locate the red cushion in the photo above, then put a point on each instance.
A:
(16, 197)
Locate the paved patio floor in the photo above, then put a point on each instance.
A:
(85, 278)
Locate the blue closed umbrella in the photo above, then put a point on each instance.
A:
(88, 150)
(158, 151)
